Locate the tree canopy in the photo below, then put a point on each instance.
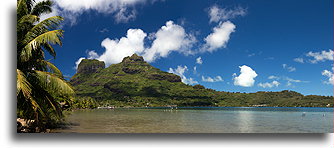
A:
(40, 84)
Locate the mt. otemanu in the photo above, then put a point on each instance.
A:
(134, 82)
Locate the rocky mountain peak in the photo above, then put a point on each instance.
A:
(88, 66)
(133, 59)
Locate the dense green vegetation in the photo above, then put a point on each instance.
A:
(134, 82)
(40, 84)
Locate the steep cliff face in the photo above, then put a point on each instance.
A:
(88, 66)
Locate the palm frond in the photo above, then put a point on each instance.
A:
(52, 37)
(42, 7)
(22, 84)
(24, 87)
(28, 19)
(30, 4)
(43, 27)
(47, 24)
(50, 67)
(55, 106)
(24, 24)
(53, 84)
(49, 49)
(21, 8)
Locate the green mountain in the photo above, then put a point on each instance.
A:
(134, 82)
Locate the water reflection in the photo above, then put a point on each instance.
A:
(245, 123)
(200, 121)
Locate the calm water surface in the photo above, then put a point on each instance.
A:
(202, 120)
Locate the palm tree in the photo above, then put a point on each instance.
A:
(39, 83)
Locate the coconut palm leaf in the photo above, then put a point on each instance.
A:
(52, 37)
(55, 106)
(24, 24)
(52, 83)
(27, 19)
(22, 8)
(42, 7)
(50, 50)
(47, 24)
(24, 87)
(43, 27)
(22, 84)
(50, 67)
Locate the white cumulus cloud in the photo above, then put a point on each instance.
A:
(269, 85)
(168, 38)
(321, 56)
(219, 37)
(92, 54)
(221, 33)
(180, 71)
(215, 79)
(246, 77)
(116, 49)
(217, 14)
(199, 60)
(330, 76)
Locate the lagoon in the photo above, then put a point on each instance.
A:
(201, 120)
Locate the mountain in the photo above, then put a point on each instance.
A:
(134, 82)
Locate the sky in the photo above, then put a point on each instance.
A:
(226, 45)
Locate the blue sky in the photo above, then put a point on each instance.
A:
(235, 45)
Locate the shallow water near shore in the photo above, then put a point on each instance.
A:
(201, 120)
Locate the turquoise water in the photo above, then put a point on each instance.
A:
(202, 120)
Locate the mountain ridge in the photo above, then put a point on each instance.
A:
(134, 82)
